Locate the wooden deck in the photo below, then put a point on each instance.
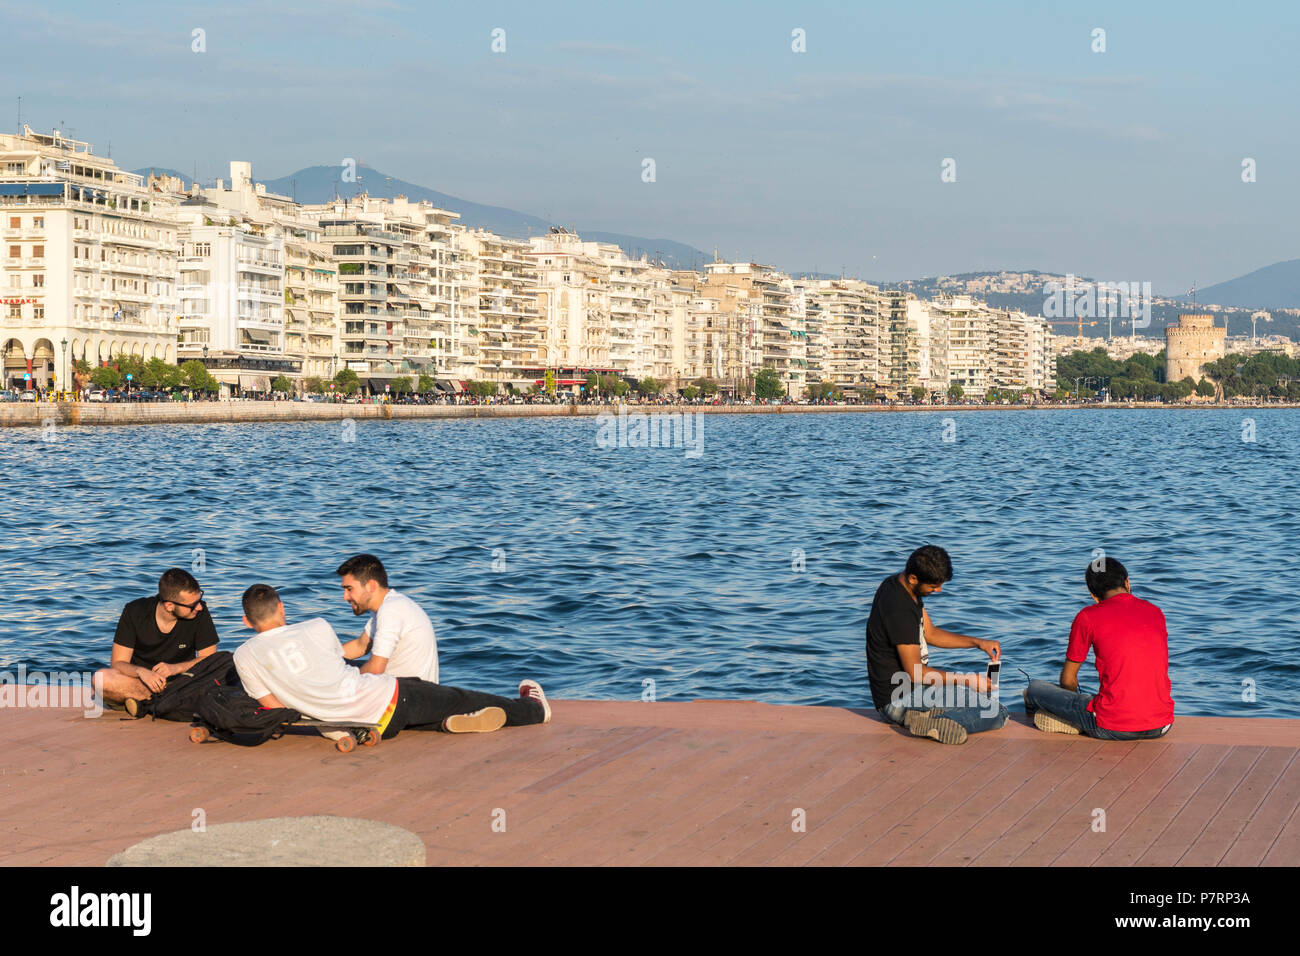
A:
(707, 782)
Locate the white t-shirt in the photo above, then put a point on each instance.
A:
(302, 665)
(403, 633)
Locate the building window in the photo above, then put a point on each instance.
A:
(38, 222)
(38, 252)
(15, 311)
(15, 222)
(38, 312)
(38, 280)
(15, 252)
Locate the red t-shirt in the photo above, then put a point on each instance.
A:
(1131, 645)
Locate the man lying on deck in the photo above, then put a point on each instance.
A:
(301, 666)
(1131, 646)
(398, 634)
(928, 701)
(157, 637)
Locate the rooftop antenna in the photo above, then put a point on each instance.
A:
(20, 116)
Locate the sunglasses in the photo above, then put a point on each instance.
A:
(188, 607)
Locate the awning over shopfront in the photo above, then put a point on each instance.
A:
(377, 384)
(448, 386)
(255, 383)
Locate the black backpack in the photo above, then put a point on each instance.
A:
(231, 715)
(180, 698)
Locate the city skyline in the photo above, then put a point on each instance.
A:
(830, 159)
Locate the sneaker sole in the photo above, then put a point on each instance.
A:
(1053, 725)
(480, 722)
(943, 729)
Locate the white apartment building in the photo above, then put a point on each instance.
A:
(89, 264)
(232, 301)
(971, 340)
(573, 303)
(844, 333)
(502, 279)
(778, 328)
(920, 349)
(271, 229)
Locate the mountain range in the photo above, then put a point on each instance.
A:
(1273, 287)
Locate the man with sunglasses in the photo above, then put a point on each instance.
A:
(158, 637)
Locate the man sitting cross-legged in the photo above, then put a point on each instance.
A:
(157, 637)
(302, 666)
(1128, 637)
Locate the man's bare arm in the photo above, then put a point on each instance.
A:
(356, 647)
(270, 701)
(1070, 675)
(938, 637)
(910, 656)
(376, 665)
(121, 662)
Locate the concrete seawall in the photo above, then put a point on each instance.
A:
(36, 415)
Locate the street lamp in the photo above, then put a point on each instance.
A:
(64, 343)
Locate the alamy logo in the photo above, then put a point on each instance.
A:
(929, 696)
(659, 430)
(1098, 300)
(74, 908)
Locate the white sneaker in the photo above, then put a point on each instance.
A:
(531, 690)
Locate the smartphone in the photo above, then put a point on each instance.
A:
(994, 668)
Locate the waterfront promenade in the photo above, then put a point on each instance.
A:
(692, 783)
(37, 415)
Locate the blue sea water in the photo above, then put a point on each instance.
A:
(746, 572)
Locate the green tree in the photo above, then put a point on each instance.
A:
(621, 387)
(918, 393)
(1205, 389)
(593, 384)
(426, 385)
(314, 385)
(767, 384)
(400, 385)
(955, 391)
(196, 375)
(105, 378)
(649, 386)
(707, 386)
(690, 393)
(281, 384)
(153, 373)
(347, 381)
(870, 394)
(550, 382)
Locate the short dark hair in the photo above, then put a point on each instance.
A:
(1104, 574)
(260, 602)
(174, 581)
(364, 567)
(931, 564)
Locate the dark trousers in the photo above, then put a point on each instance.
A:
(424, 706)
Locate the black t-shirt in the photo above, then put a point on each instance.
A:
(138, 630)
(896, 618)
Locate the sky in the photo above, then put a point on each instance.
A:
(1123, 165)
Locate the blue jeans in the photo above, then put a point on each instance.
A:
(1072, 707)
(975, 712)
